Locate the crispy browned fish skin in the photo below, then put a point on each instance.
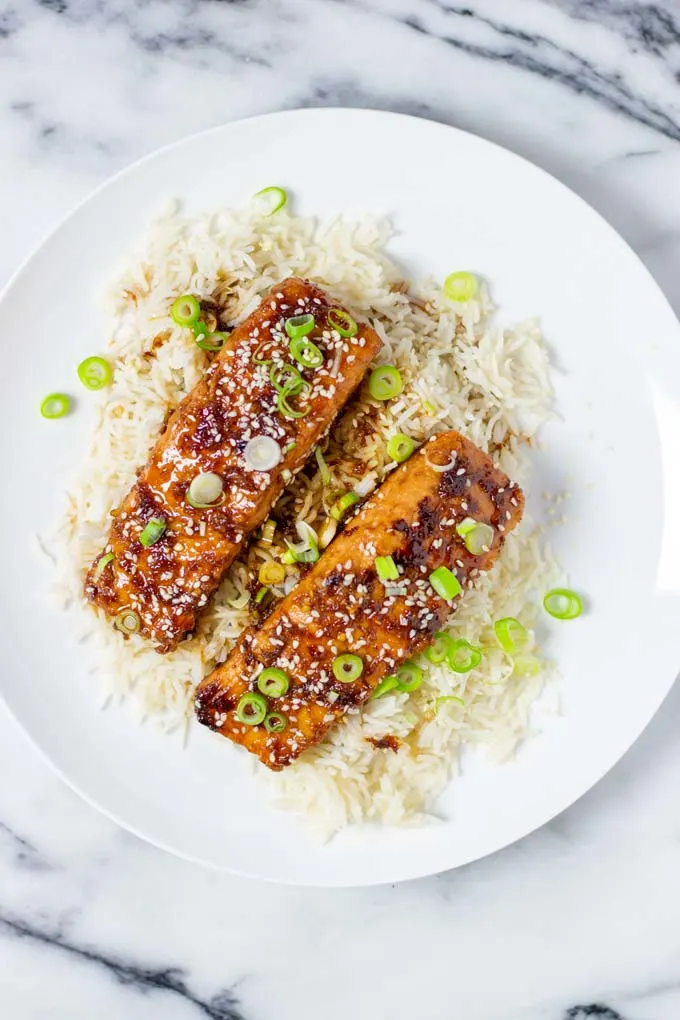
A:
(169, 583)
(341, 606)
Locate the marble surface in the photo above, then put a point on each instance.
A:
(579, 920)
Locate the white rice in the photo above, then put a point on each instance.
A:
(461, 370)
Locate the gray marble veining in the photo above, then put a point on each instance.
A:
(577, 921)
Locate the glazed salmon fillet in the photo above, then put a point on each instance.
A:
(341, 606)
(160, 589)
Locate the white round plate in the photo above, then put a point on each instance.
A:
(457, 201)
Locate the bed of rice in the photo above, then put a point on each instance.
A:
(461, 370)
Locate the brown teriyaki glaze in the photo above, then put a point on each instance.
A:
(168, 584)
(341, 606)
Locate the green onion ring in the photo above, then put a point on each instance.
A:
(385, 382)
(400, 447)
(342, 322)
(347, 668)
(390, 683)
(445, 583)
(298, 326)
(438, 651)
(305, 352)
(273, 682)
(102, 565)
(446, 698)
(323, 467)
(511, 635)
(251, 709)
(285, 377)
(256, 360)
(460, 286)
(463, 656)
(563, 604)
(152, 531)
(95, 373)
(275, 722)
(56, 405)
(271, 199)
(185, 310)
(386, 568)
(343, 504)
(212, 342)
(127, 621)
(284, 407)
(409, 676)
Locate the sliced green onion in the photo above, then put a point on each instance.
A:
(95, 373)
(563, 604)
(478, 539)
(525, 666)
(342, 505)
(409, 676)
(271, 199)
(286, 410)
(205, 491)
(262, 596)
(257, 360)
(400, 447)
(299, 325)
(466, 526)
(305, 352)
(127, 621)
(262, 453)
(185, 310)
(386, 568)
(447, 698)
(511, 634)
(271, 573)
(323, 467)
(390, 683)
(288, 558)
(212, 341)
(327, 533)
(440, 648)
(286, 379)
(385, 382)
(268, 532)
(307, 549)
(273, 682)
(429, 407)
(347, 668)
(463, 656)
(152, 531)
(251, 709)
(460, 286)
(55, 406)
(342, 322)
(102, 565)
(275, 722)
(200, 329)
(445, 583)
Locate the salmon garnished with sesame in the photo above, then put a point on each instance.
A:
(375, 599)
(227, 452)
